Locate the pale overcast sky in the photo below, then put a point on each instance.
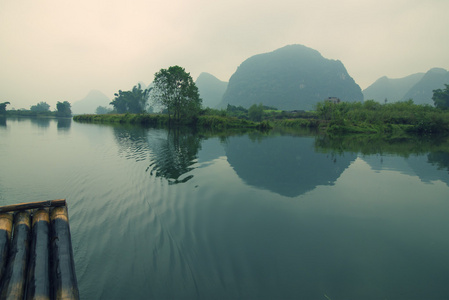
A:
(59, 50)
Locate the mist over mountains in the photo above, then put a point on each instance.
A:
(89, 104)
(418, 87)
(211, 89)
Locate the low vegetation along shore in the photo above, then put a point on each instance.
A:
(372, 117)
(369, 117)
(209, 121)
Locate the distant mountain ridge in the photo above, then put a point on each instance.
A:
(418, 87)
(211, 89)
(422, 91)
(89, 104)
(289, 78)
(391, 89)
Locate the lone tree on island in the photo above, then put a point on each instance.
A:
(63, 109)
(175, 90)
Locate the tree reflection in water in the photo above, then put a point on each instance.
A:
(172, 153)
(64, 124)
(422, 155)
(175, 156)
(440, 159)
(42, 123)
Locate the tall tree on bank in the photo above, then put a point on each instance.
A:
(133, 101)
(255, 112)
(175, 90)
(441, 97)
(3, 107)
(63, 109)
(102, 110)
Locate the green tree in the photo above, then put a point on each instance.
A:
(175, 90)
(441, 97)
(41, 107)
(102, 110)
(325, 110)
(133, 101)
(255, 112)
(119, 103)
(63, 109)
(237, 111)
(3, 107)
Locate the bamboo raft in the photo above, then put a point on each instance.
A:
(36, 256)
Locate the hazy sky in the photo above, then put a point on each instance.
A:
(59, 50)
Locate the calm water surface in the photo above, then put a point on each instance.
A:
(159, 214)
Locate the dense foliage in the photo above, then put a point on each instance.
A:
(41, 107)
(441, 97)
(205, 121)
(144, 119)
(133, 101)
(101, 110)
(255, 112)
(372, 116)
(175, 91)
(63, 109)
(3, 107)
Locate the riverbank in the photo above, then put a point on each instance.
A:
(395, 119)
(209, 122)
(370, 117)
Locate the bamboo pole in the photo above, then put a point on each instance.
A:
(62, 265)
(5, 240)
(33, 205)
(38, 281)
(14, 279)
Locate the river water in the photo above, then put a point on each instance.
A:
(159, 214)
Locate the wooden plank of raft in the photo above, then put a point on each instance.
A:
(38, 280)
(5, 240)
(13, 283)
(33, 205)
(63, 274)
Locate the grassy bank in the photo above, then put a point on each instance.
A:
(144, 119)
(205, 121)
(392, 118)
(296, 123)
(370, 117)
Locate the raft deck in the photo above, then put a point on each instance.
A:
(36, 256)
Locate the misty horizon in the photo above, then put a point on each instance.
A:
(59, 52)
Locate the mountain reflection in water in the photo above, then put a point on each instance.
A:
(285, 165)
(427, 158)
